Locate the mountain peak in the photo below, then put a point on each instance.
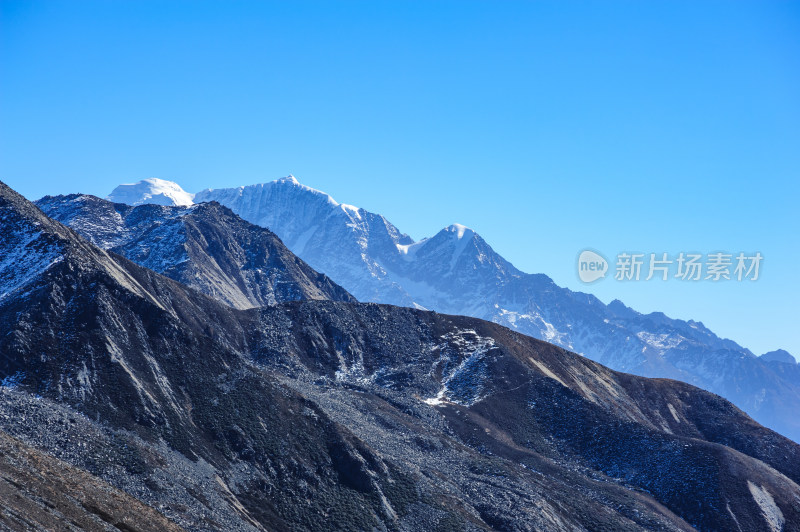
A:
(779, 355)
(460, 231)
(151, 190)
(288, 179)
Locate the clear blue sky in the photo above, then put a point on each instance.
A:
(548, 127)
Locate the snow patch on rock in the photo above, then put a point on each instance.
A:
(463, 368)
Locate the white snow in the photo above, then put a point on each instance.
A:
(288, 179)
(409, 251)
(152, 190)
(660, 341)
(466, 341)
(437, 400)
(351, 210)
(460, 231)
(543, 330)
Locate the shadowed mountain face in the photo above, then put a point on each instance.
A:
(325, 415)
(206, 247)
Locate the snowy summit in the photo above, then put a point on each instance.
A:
(152, 190)
(460, 230)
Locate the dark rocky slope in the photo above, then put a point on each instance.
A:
(141, 353)
(39, 492)
(322, 415)
(531, 403)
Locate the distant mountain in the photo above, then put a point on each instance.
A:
(779, 355)
(206, 247)
(156, 191)
(345, 242)
(328, 415)
(457, 272)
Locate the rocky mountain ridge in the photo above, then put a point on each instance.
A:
(457, 272)
(206, 247)
(334, 415)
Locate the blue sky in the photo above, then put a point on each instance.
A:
(548, 127)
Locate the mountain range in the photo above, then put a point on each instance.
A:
(323, 413)
(457, 272)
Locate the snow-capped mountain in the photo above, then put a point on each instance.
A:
(330, 415)
(457, 272)
(345, 242)
(151, 190)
